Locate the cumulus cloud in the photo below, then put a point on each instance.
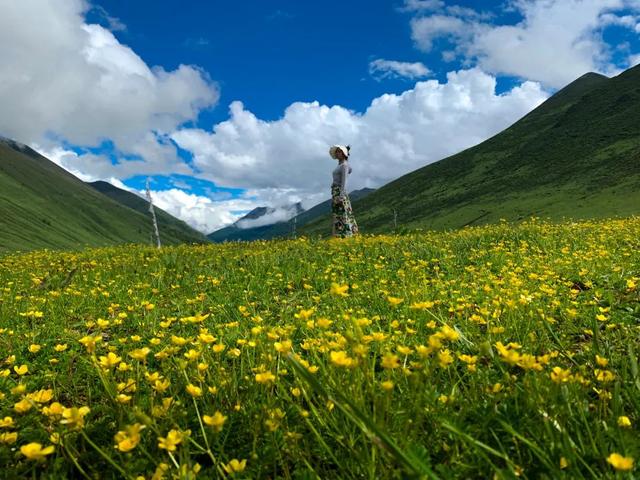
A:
(381, 68)
(395, 135)
(556, 41)
(62, 79)
(90, 167)
(200, 212)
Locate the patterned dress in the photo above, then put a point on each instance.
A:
(344, 223)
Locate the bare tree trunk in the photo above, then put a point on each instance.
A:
(153, 214)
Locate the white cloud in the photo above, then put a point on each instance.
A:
(381, 68)
(90, 167)
(204, 213)
(628, 21)
(200, 212)
(395, 135)
(425, 30)
(273, 215)
(556, 41)
(64, 79)
(634, 60)
(420, 5)
(113, 23)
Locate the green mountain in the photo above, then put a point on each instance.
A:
(575, 156)
(277, 230)
(44, 206)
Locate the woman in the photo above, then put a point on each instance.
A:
(344, 223)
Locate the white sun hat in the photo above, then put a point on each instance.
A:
(334, 149)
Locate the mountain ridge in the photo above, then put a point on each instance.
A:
(44, 206)
(564, 159)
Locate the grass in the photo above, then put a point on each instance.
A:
(490, 352)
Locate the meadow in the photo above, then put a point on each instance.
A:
(504, 351)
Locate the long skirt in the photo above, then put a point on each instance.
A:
(344, 223)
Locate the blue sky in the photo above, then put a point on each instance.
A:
(271, 53)
(136, 89)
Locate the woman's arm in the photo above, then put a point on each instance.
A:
(344, 171)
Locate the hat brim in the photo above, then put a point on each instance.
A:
(333, 151)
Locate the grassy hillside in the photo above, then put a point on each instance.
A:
(169, 226)
(576, 156)
(496, 352)
(44, 206)
(282, 229)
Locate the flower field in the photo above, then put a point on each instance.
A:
(491, 352)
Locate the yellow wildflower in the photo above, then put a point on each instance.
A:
(54, 410)
(109, 361)
(390, 361)
(8, 437)
(265, 377)
(341, 359)
(235, 466)
(34, 451)
(194, 390)
(340, 290)
(282, 347)
(604, 376)
(89, 342)
(171, 441)
(445, 358)
(624, 421)
(395, 301)
(140, 353)
(192, 355)
(41, 396)
(128, 439)
(619, 462)
(449, 333)
(6, 422)
(23, 406)
(559, 375)
(421, 305)
(161, 386)
(216, 420)
(74, 417)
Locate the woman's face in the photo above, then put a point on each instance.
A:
(340, 154)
